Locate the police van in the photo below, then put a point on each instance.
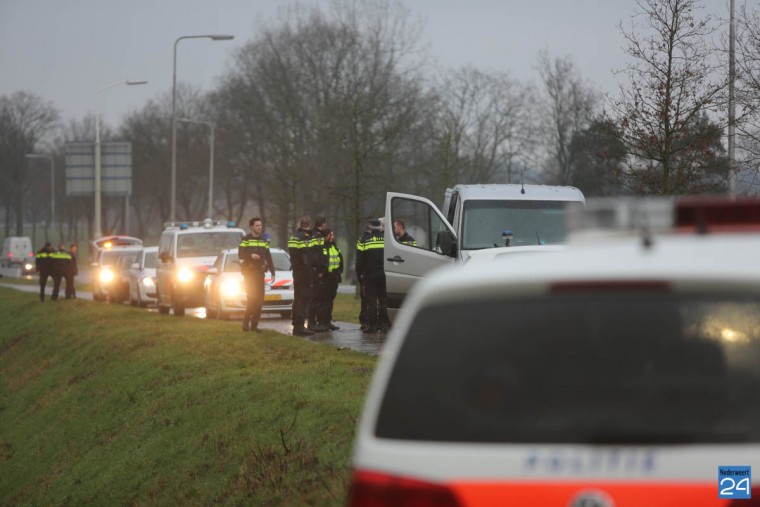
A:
(616, 372)
(473, 218)
(186, 251)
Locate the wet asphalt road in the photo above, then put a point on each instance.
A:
(349, 336)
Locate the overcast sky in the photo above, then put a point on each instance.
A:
(66, 50)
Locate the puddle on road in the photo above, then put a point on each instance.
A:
(349, 335)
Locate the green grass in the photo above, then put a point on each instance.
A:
(346, 308)
(110, 405)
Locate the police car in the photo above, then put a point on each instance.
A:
(614, 373)
(186, 251)
(225, 289)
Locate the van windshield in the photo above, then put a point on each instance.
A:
(605, 368)
(206, 244)
(531, 223)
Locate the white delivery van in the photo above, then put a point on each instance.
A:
(17, 251)
(474, 217)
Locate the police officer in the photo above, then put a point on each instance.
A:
(61, 260)
(72, 271)
(369, 267)
(334, 270)
(361, 285)
(255, 259)
(43, 264)
(403, 237)
(318, 273)
(299, 248)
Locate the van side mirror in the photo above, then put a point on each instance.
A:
(446, 243)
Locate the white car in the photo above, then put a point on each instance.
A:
(618, 373)
(142, 278)
(225, 293)
(104, 273)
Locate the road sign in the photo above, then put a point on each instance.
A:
(115, 167)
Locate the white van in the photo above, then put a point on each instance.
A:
(18, 252)
(474, 217)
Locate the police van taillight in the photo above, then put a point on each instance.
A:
(607, 217)
(376, 489)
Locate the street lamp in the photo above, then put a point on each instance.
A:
(173, 199)
(210, 161)
(98, 229)
(52, 186)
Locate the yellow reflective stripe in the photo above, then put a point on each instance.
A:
(42, 255)
(317, 242)
(255, 243)
(373, 246)
(296, 243)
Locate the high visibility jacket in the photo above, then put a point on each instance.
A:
(44, 262)
(61, 262)
(370, 250)
(299, 248)
(335, 259)
(259, 246)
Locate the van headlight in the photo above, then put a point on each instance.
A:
(230, 288)
(148, 282)
(106, 275)
(184, 275)
(28, 266)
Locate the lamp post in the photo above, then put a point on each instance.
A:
(98, 211)
(731, 102)
(210, 125)
(173, 199)
(52, 186)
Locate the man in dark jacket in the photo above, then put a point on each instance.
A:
(255, 259)
(44, 266)
(299, 248)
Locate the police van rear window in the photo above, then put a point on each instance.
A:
(587, 368)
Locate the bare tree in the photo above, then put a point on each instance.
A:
(482, 127)
(318, 107)
(566, 106)
(672, 80)
(25, 119)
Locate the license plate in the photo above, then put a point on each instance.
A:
(272, 297)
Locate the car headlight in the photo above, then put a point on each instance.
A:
(230, 288)
(148, 282)
(106, 275)
(184, 275)
(28, 266)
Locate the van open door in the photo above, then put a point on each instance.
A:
(434, 244)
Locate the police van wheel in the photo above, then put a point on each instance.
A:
(210, 314)
(163, 309)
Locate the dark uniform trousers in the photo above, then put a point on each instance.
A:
(254, 290)
(377, 302)
(303, 292)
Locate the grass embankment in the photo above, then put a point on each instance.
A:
(111, 405)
